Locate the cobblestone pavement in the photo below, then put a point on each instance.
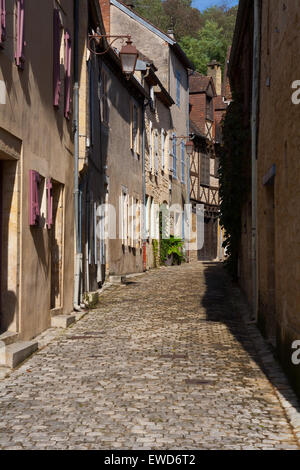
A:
(166, 362)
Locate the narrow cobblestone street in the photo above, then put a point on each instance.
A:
(166, 362)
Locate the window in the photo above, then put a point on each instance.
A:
(154, 212)
(205, 170)
(156, 161)
(68, 58)
(182, 161)
(152, 99)
(150, 145)
(178, 80)
(34, 199)
(2, 22)
(124, 216)
(135, 128)
(147, 218)
(163, 148)
(57, 28)
(19, 53)
(103, 98)
(49, 188)
(174, 156)
(209, 108)
(137, 223)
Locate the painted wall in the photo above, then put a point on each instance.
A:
(45, 136)
(124, 169)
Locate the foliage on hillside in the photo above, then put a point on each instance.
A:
(203, 36)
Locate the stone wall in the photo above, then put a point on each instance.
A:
(279, 201)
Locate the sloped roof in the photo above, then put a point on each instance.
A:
(200, 83)
(172, 42)
(220, 104)
(194, 129)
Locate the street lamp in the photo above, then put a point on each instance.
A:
(128, 53)
(128, 57)
(189, 146)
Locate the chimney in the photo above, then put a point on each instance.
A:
(171, 33)
(105, 11)
(214, 70)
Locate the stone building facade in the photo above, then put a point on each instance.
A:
(272, 284)
(173, 72)
(36, 165)
(158, 133)
(204, 179)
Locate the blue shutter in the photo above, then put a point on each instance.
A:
(174, 157)
(182, 162)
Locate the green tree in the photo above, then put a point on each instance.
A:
(207, 46)
(224, 17)
(183, 18)
(203, 36)
(153, 11)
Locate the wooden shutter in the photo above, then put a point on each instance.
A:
(2, 22)
(68, 60)
(19, 53)
(34, 204)
(56, 57)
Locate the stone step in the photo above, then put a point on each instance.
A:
(117, 279)
(62, 321)
(12, 355)
(8, 337)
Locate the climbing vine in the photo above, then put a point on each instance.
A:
(235, 179)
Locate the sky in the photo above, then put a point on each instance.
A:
(202, 4)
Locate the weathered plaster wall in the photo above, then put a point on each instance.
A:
(124, 169)
(47, 147)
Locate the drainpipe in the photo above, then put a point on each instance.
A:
(78, 254)
(254, 142)
(144, 184)
(188, 170)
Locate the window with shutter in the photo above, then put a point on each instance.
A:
(137, 223)
(103, 98)
(2, 22)
(124, 217)
(205, 170)
(156, 152)
(19, 53)
(34, 203)
(182, 161)
(68, 61)
(150, 145)
(57, 28)
(174, 156)
(163, 144)
(147, 218)
(49, 188)
(134, 128)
